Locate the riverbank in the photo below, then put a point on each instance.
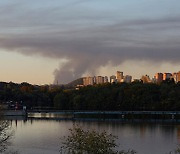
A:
(106, 114)
(14, 113)
(97, 114)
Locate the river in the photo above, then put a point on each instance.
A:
(44, 135)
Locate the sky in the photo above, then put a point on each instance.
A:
(42, 42)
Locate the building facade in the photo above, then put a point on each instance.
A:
(167, 76)
(99, 79)
(106, 79)
(128, 79)
(119, 76)
(159, 77)
(113, 79)
(88, 81)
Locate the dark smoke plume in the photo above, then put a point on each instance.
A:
(74, 32)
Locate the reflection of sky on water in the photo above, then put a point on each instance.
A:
(43, 136)
(178, 134)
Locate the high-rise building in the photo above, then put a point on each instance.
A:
(128, 79)
(88, 81)
(167, 76)
(175, 77)
(159, 77)
(99, 79)
(178, 76)
(113, 79)
(105, 79)
(119, 76)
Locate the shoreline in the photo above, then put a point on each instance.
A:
(106, 114)
(95, 114)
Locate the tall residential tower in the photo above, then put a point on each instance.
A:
(119, 76)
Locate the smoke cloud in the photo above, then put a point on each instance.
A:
(87, 37)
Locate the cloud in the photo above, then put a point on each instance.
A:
(90, 40)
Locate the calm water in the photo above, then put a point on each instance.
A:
(43, 136)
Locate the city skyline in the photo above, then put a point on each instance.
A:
(120, 77)
(45, 41)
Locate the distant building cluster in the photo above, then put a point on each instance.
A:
(94, 80)
(101, 79)
(120, 77)
(159, 77)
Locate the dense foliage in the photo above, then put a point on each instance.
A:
(27, 94)
(123, 96)
(90, 142)
(134, 96)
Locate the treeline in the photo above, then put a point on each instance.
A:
(123, 96)
(27, 94)
(134, 96)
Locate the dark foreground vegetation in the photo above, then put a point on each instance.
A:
(134, 96)
(90, 142)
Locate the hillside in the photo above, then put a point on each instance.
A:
(75, 83)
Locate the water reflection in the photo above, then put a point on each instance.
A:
(178, 134)
(42, 134)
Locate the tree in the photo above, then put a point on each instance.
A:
(90, 142)
(61, 101)
(5, 133)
